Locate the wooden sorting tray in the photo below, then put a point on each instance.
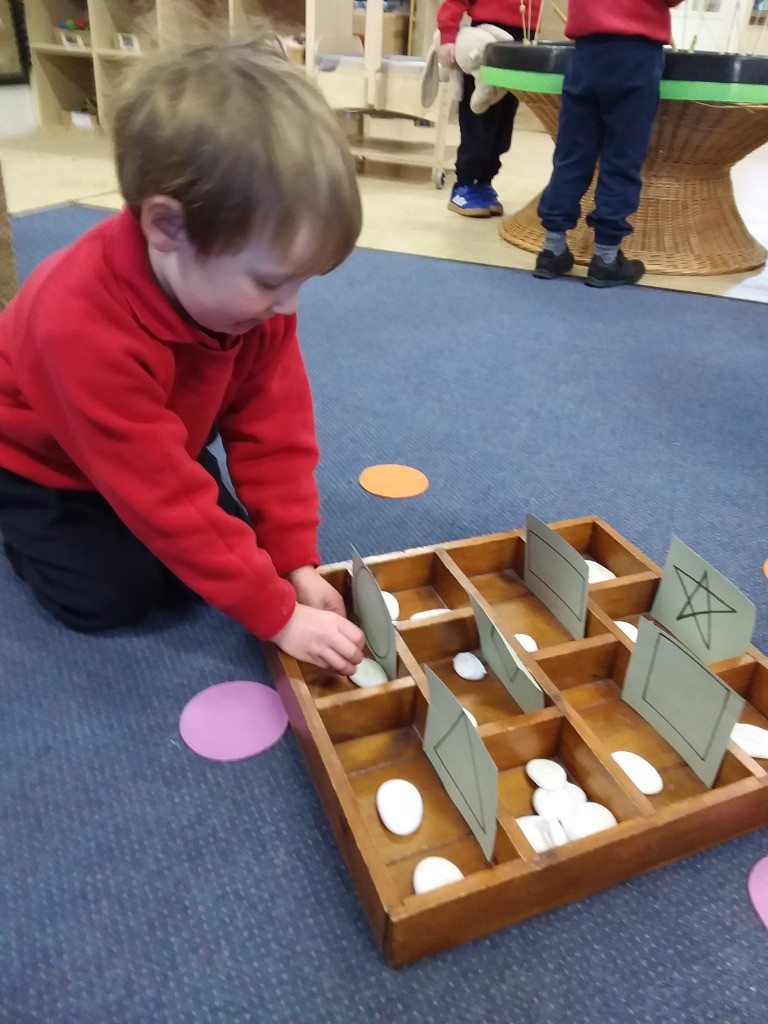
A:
(354, 739)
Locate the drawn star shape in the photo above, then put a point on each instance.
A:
(692, 587)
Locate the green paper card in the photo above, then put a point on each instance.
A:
(701, 607)
(689, 706)
(464, 766)
(557, 574)
(505, 664)
(373, 616)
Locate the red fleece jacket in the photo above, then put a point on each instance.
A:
(503, 12)
(105, 386)
(648, 18)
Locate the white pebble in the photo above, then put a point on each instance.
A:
(598, 573)
(470, 716)
(468, 666)
(368, 673)
(433, 873)
(526, 642)
(393, 605)
(587, 819)
(628, 628)
(751, 738)
(640, 771)
(400, 806)
(545, 773)
(429, 613)
(542, 833)
(558, 803)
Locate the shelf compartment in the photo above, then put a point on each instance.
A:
(63, 82)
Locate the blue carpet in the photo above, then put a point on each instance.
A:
(141, 884)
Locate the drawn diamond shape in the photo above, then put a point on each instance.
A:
(456, 743)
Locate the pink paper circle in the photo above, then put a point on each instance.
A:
(758, 889)
(230, 721)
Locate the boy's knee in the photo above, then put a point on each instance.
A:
(100, 600)
(109, 607)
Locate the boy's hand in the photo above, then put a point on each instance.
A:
(446, 55)
(322, 638)
(311, 589)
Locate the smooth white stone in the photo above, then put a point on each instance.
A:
(526, 642)
(558, 803)
(598, 573)
(429, 613)
(751, 738)
(393, 605)
(545, 773)
(587, 819)
(368, 673)
(536, 830)
(433, 873)
(556, 830)
(640, 771)
(470, 716)
(400, 806)
(628, 628)
(468, 666)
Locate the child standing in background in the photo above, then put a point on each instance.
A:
(121, 352)
(609, 103)
(484, 138)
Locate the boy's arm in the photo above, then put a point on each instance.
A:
(102, 400)
(449, 15)
(268, 430)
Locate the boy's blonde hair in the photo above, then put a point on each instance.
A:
(247, 145)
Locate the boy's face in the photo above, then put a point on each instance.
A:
(230, 293)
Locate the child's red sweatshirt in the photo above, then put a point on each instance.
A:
(105, 386)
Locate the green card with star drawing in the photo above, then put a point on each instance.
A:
(703, 609)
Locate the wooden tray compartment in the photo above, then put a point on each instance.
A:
(589, 682)
(434, 644)
(628, 600)
(593, 538)
(420, 582)
(748, 676)
(493, 569)
(376, 736)
(554, 737)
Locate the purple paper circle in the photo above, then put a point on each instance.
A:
(230, 721)
(757, 884)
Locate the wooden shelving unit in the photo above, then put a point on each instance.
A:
(79, 72)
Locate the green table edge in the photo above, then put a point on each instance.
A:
(704, 92)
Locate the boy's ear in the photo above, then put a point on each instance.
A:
(162, 221)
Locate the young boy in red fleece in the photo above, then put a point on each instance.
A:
(484, 138)
(121, 352)
(609, 103)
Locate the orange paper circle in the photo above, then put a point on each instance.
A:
(765, 567)
(393, 481)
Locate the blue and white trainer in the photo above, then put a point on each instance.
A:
(469, 201)
(491, 197)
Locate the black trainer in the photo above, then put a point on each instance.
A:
(548, 265)
(607, 275)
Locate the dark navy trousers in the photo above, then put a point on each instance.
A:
(609, 103)
(484, 138)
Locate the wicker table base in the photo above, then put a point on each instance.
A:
(687, 222)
